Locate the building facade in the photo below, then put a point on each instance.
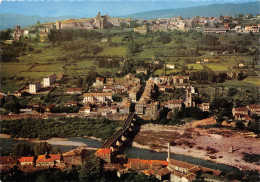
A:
(35, 87)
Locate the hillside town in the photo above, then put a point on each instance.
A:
(207, 25)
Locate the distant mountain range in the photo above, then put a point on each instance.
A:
(8, 20)
(205, 11)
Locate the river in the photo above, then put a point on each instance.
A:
(131, 152)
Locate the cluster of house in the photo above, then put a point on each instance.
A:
(175, 23)
(170, 170)
(47, 82)
(46, 161)
(101, 103)
(142, 101)
(244, 113)
(247, 29)
(161, 24)
(238, 29)
(98, 22)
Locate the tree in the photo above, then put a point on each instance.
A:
(91, 170)
(251, 33)
(164, 38)
(240, 75)
(91, 76)
(13, 106)
(42, 148)
(240, 125)
(79, 82)
(232, 92)
(22, 149)
(5, 35)
(72, 174)
(220, 107)
(134, 48)
(221, 77)
(55, 150)
(221, 17)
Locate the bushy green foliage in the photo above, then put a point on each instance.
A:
(42, 148)
(5, 35)
(71, 34)
(13, 106)
(244, 176)
(61, 127)
(193, 112)
(22, 149)
(134, 48)
(10, 52)
(252, 158)
(107, 63)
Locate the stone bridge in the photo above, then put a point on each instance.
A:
(120, 136)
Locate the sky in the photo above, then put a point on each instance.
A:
(89, 8)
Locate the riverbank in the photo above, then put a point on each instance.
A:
(221, 146)
(58, 141)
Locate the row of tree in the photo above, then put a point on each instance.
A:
(61, 127)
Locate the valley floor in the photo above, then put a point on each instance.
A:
(223, 146)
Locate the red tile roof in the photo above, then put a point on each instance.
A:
(241, 109)
(133, 161)
(104, 152)
(253, 107)
(26, 159)
(49, 158)
(74, 90)
(181, 164)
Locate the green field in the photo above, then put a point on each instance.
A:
(248, 82)
(9, 70)
(195, 66)
(36, 75)
(114, 51)
(48, 68)
(252, 80)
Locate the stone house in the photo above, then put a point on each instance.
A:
(74, 91)
(110, 81)
(141, 70)
(134, 93)
(104, 154)
(97, 97)
(240, 111)
(173, 104)
(254, 109)
(48, 160)
(26, 161)
(99, 82)
(204, 106)
(180, 79)
(8, 161)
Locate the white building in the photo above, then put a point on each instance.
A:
(35, 87)
(49, 80)
(97, 97)
(170, 66)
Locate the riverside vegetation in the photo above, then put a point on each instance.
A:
(60, 127)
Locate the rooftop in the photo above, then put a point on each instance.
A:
(26, 159)
(48, 158)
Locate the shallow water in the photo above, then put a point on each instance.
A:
(131, 152)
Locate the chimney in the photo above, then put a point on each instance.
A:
(169, 152)
(45, 156)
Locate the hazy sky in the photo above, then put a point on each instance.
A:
(85, 8)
